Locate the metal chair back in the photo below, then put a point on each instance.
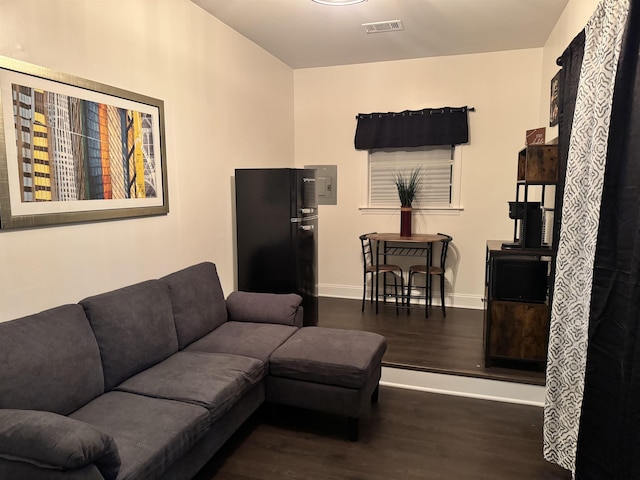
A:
(445, 248)
(367, 250)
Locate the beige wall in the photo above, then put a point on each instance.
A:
(503, 87)
(228, 104)
(510, 91)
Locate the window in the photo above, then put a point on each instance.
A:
(439, 176)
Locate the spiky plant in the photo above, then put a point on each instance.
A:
(408, 185)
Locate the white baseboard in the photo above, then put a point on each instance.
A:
(464, 386)
(355, 293)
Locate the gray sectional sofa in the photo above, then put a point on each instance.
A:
(148, 381)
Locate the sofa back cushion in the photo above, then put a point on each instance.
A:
(49, 361)
(198, 302)
(134, 328)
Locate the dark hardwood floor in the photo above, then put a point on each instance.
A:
(451, 345)
(408, 435)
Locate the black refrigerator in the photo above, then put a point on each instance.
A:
(277, 234)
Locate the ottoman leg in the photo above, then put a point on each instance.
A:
(374, 395)
(353, 427)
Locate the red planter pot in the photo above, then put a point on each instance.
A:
(405, 221)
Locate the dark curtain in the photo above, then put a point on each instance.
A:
(609, 434)
(430, 126)
(571, 63)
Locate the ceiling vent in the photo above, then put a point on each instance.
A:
(379, 27)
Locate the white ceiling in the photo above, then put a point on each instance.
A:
(305, 34)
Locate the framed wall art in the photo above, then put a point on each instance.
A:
(73, 150)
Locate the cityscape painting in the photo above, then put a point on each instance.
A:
(74, 150)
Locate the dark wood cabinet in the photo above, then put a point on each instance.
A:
(518, 330)
(516, 324)
(517, 280)
(538, 165)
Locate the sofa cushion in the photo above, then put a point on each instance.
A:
(56, 442)
(212, 380)
(197, 300)
(256, 340)
(330, 356)
(134, 328)
(150, 433)
(49, 361)
(265, 308)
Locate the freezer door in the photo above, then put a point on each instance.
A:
(304, 191)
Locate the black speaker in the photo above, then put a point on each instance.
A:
(516, 209)
(520, 279)
(531, 227)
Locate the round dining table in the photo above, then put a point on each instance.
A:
(393, 244)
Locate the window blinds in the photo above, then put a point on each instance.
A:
(436, 167)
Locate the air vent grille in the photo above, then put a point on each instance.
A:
(379, 27)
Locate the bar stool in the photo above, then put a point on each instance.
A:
(438, 270)
(369, 267)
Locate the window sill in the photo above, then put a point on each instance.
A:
(423, 210)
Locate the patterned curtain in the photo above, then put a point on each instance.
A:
(568, 337)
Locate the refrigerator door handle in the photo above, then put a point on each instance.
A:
(303, 219)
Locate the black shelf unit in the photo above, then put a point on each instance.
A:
(537, 167)
(518, 278)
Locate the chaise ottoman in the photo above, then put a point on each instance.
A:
(328, 370)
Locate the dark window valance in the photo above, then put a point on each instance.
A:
(430, 126)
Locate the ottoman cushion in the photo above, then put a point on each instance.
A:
(345, 358)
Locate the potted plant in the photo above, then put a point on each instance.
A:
(408, 185)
